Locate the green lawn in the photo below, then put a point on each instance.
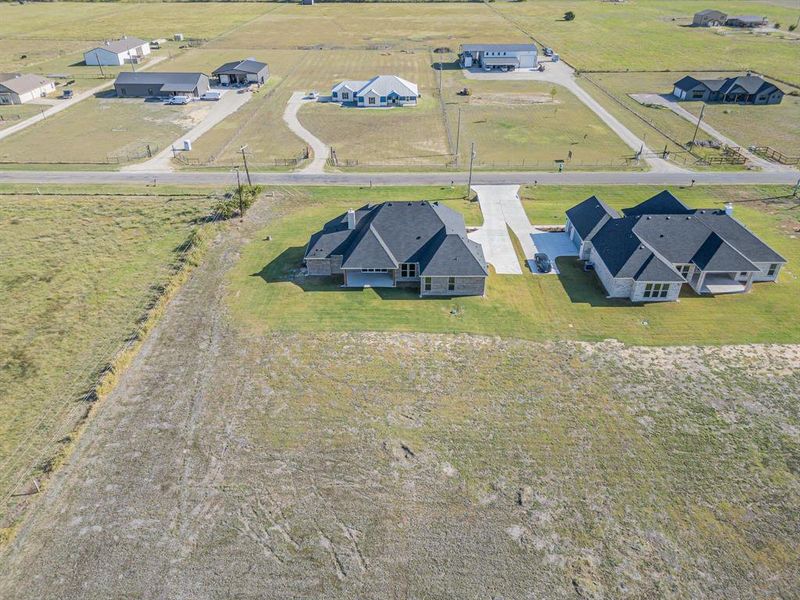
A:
(267, 293)
(78, 273)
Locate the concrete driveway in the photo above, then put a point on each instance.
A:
(562, 74)
(321, 149)
(493, 235)
(229, 103)
(502, 210)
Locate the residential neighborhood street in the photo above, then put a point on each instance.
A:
(367, 179)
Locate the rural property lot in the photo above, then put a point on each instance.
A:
(79, 271)
(313, 48)
(383, 465)
(268, 292)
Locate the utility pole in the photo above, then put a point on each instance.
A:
(103, 75)
(796, 188)
(246, 170)
(696, 127)
(471, 160)
(241, 198)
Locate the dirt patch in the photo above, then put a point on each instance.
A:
(511, 99)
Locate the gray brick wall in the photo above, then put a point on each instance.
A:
(465, 286)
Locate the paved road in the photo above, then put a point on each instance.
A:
(321, 150)
(562, 74)
(365, 179)
(229, 103)
(65, 104)
(668, 101)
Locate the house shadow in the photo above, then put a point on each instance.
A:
(287, 268)
(584, 287)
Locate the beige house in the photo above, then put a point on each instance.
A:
(648, 253)
(18, 88)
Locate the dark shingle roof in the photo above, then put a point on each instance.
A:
(391, 233)
(663, 203)
(751, 84)
(161, 78)
(708, 238)
(248, 65)
(588, 214)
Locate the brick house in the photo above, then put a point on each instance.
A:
(422, 245)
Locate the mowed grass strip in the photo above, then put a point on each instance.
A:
(77, 276)
(269, 293)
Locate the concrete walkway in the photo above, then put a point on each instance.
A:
(320, 149)
(562, 74)
(668, 101)
(65, 104)
(229, 103)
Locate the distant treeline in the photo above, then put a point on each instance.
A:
(267, 1)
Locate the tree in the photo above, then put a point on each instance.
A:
(569, 15)
(232, 205)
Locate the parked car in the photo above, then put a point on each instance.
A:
(178, 100)
(66, 94)
(212, 95)
(312, 95)
(542, 262)
(548, 52)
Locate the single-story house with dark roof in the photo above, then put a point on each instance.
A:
(746, 21)
(242, 72)
(496, 56)
(151, 84)
(744, 89)
(709, 18)
(650, 251)
(422, 245)
(19, 88)
(117, 52)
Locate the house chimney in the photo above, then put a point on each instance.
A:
(729, 209)
(351, 219)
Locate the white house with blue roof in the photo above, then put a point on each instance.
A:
(381, 91)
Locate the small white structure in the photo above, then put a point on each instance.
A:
(380, 91)
(117, 52)
(18, 88)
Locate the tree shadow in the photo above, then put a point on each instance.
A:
(446, 66)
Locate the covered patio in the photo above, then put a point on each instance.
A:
(359, 279)
(721, 283)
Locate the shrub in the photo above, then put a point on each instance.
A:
(569, 16)
(232, 205)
